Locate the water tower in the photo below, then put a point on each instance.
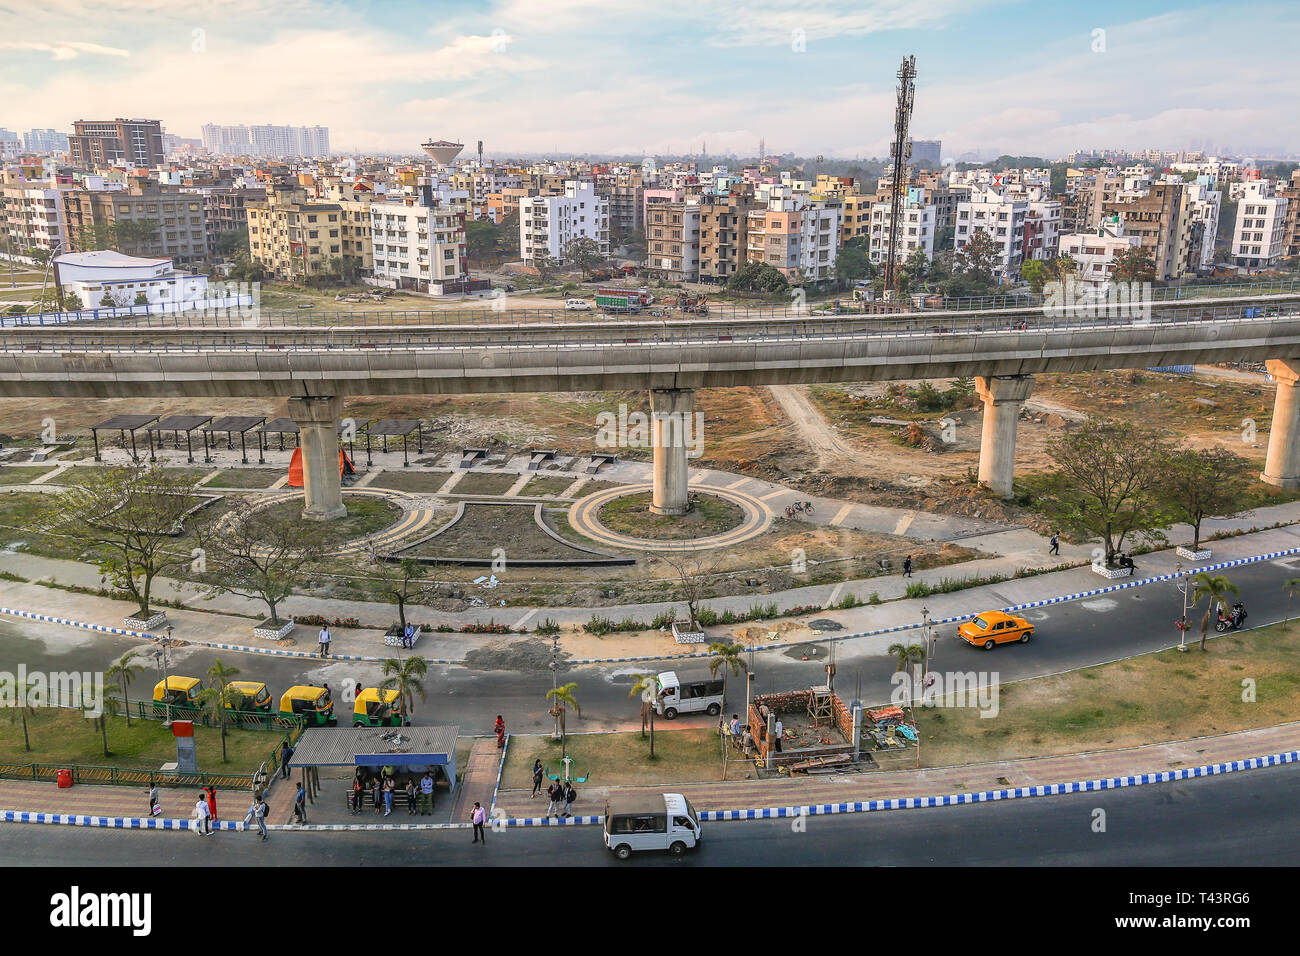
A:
(442, 151)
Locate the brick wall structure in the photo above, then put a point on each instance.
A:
(796, 702)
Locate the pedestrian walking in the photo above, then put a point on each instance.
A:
(377, 794)
(358, 794)
(285, 753)
(257, 814)
(212, 801)
(389, 787)
(412, 794)
(569, 796)
(426, 794)
(556, 793)
(154, 809)
(499, 728)
(1055, 544)
(907, 566)
(538, 774)
(777, 732)
(203, 825)
(478, 817)
(300, 804)
(323, 639)
(747, 744)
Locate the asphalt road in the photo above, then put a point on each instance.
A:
(1070, 635)
(1240, 819)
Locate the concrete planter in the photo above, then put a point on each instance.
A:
(267, 631)
(1190, 555)
(156, 619)
(683, 636)
(1112, 573)
(393, 637)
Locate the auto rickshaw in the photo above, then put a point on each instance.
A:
(177, 693)
(377, 708)
(248, 697)
(312, 704)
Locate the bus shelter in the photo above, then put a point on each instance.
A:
(408, 750)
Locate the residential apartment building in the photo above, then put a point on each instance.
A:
(917, 227)
(418, 243)
(673, 241)
(31, 216)
(1203, 204)
(724, 234)
(794, 235)
(1003, 219)
(1291, 232)
(1259, 237)
(1094, 252)
(547, 224)
(225, 210)
(45, 141)
(180, 232)
(131, 142)
(1158, 217)
(308, 142)
(293, 236)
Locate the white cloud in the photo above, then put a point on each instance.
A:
(64, 49)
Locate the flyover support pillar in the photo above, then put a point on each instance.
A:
(672, 416)
(1282, 467)
(1004, 396)
(317, 418)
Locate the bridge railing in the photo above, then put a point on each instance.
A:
(622, 333)
(246, 318)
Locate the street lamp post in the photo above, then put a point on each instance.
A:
(1184, 588)
(162, 657)
(555, 651)
(928, 636)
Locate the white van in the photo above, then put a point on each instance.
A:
(653, 821)
(688, 697)
(577, 305)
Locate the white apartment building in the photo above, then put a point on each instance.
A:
(1095, 251)
(310, 142)
(916, 231)
(547, 224)
(1203, 205)
(31, 217)
(1261, 223)
(418, 243)
(819, 242)
(1003, 218)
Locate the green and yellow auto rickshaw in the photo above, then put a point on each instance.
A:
(177, 695)
(312, 704)
(377, 708)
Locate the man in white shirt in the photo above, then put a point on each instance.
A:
(324, 640)
(203, 824)
(777, 731)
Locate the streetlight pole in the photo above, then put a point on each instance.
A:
(555, 651)
(1184, 588)
(162, 655)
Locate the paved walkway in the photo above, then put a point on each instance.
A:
(481, 774)
(972, 778)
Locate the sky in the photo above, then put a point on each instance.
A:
(669, 76)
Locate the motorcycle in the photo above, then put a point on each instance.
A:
(1233, 620)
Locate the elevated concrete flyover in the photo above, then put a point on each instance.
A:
(1002, 348)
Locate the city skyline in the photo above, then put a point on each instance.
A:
(585, 78)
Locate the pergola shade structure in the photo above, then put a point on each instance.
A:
(396, 428)
(177, 424)
(232, 425)
(126, 424)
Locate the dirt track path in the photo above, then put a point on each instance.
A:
(834, 454)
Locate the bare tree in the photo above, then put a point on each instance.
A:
(258, 554)
(690, 587)
(131, 517)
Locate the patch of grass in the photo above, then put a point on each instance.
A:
(545, 487)
(485, 483)
(631, 515)
(1139, 701)
(246, 478)
(63, 736)
(413, 481)
(619, 759)
(365, 516)
(23, 475)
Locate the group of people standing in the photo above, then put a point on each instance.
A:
(561, 794)
(380, 788)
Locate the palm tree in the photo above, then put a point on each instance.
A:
(22, 707)
(562, 698)
(220, 676)
(110, 710)
(1292, 588)
(405, 677)
(123, 671)
(726, 657)
(1216, 588)
(906, 654)
(647, 685)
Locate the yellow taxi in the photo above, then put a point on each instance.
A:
(995, 627)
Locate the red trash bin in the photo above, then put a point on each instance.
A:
(65, 778)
